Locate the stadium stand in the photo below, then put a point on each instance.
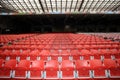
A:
(60, 56)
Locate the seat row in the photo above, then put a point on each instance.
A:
(60, 46)
(114, 36)
(8, 37)
(59, 58)
(60, 70)
(60, 54)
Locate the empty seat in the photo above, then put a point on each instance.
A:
(106, 53)
(87, 46)
(96, 54)
(7, 69)
(111, 67)
(36, 69)
(5, 54)
(98, 70)
(67, 70)
(86, 54)
(14, 54)
(44, 54)
(65, 55)
(82, 68)
(33, 55)
(24, 55)
(21, 69)
(54, 54)
(75, 54)
(52, 69)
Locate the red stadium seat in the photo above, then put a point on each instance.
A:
(67, 70)
(109, 63)
(34, 54)
(111, 66)
(52, 69)
(96, 54)
(82, 68)
(36, 69)
(6, 70)
(54, 54)
(21, 69)
(24, 55)
(87, 46)
(94, 47)
(65, 55)
(97, 69)
(75, 54)
(86, 54)
(14, 54)
(106, 53)
(44, 54)
(5, 54)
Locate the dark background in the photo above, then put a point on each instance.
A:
(59, 23)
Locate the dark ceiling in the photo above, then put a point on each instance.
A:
(62, 19)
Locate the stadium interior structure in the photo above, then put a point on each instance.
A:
(60, 39)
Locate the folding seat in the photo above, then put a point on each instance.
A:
(79, 47)
(54, 54)
(24, 55)
(7, 47)
(63, 47)
(114, 53)
(56, 47)
(40, 47)
(47, 46)
(115, 46)
(65, 55)
(71, 47)
(21, 70)
(5, 54)
(18, 47)
(44, 54)
(52, 69)
(106, 53)
(82, 69)
(94, 47)
(85, 54)
(25, 47)
(96, 54)
(14, 54)
(7, 68)
(102, 46)
(75, 54)
(32, 47)
(97, 69)
(67, 70)
(111, 67)
(34, 54)
(36, 70)
(108, 46)
(87, 46)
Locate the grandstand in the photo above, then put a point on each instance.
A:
(59, 39)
